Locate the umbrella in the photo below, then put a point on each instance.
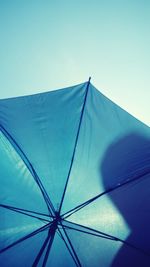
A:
(75, 187)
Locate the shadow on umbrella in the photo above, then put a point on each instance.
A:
(125, 170)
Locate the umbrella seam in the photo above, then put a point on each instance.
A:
(84, 204)
(76, 142)
(29, 166)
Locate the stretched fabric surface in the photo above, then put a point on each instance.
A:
(75, 181)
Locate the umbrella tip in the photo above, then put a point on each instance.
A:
(89, 79)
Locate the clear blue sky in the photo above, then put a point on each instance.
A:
(47, 44)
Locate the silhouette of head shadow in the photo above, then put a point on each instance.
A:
(126, 169)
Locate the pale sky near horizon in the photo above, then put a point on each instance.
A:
(47, 44)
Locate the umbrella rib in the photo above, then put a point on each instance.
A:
(43, 228)
(75, 146)
(91, 229)
(70, 243)
(51, 238)
(119, 185)
(41, 251)
(30, 168)
(74, 259)
(89, 233)
(34, 212)
(111, 237)
(24, 211)
(44, 193)
(36, 261)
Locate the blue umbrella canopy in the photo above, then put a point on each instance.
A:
(75, 181)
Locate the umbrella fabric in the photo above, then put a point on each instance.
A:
(75, 181)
